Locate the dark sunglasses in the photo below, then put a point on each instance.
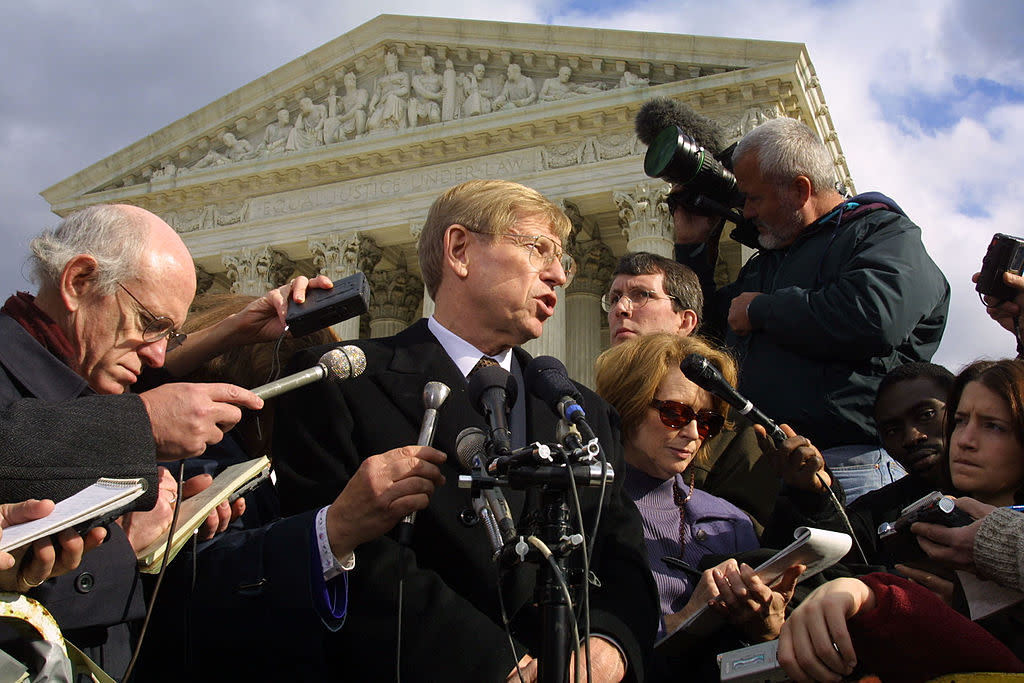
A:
(677, 415)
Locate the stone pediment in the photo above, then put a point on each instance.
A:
(400, 93)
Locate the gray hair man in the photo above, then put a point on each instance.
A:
(841, 290)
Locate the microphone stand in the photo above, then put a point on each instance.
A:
(550, 545)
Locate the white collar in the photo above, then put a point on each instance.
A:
(462, 353)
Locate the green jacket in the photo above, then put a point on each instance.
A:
(853, 297)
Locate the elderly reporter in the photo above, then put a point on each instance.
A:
(115, 284)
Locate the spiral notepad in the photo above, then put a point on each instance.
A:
(101, 499)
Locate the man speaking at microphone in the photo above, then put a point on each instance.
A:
(491, 257)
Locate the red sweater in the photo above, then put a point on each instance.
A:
(912, 635)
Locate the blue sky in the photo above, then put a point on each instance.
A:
(927, 97)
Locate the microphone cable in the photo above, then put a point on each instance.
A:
(160, 575)
(586, 549)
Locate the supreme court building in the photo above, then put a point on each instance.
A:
(329, 163)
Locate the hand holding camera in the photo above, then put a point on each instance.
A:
(933, 508)
(1000, 283)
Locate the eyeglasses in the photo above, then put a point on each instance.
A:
(677, 415)
(543, 251)
(157, 327)
(637, 298)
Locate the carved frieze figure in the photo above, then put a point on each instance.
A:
(346, 116)
(479, 90)
(308, 131)
(388, 104)
(519, 90)
(234, 150)
(631, 80)
(451, 96)
(557, 88)
(428, 91)
(167, 170)
(276, 135)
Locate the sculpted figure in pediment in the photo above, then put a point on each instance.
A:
(428, 88)
(480, 91)
(388, 104)
(451, 93)
(557, 88)
(346, 115)
(276, 135)
(308, 131)
(234, 150)
(631, 80)
(519, 90)
(167, 170)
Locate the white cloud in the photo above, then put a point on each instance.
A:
(81, 84)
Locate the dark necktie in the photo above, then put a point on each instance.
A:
(484, 362)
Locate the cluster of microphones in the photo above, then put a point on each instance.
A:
(488, 453)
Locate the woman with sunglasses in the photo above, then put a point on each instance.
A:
(665, 421)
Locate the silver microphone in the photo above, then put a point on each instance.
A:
(434, 395)
(341, 363)
(472, 454)
(469, 451)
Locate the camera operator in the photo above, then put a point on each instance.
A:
(840, 291)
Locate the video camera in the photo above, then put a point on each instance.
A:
(709, 187)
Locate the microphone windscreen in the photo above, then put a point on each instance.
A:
(659, 113)
(492, 377)
(337, 363)
(469, 445)
(547, 379)
(356, 358)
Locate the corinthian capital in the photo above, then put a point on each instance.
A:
(594, 266)
(644, 218)
(395, 294)
(254, 272)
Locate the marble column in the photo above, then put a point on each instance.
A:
(583, 309)
(644, 218)
(396, 297)
(338, 256)
(256, 271)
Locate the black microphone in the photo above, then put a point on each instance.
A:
(341, 363)
(659, 113)
(548, 380)
(701, 372)
(493, 392)
(434, 394)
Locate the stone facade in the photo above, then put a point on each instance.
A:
(329, 163)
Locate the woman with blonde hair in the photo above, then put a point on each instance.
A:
(666, 420)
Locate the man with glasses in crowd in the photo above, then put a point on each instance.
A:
(492, 259)
(650, 294)
(115, 284)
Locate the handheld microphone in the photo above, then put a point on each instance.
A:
(493, 392)
(434, 394)
(548, 380)
(490, 505)
(341, 363)
(705, 375)
(702, 373)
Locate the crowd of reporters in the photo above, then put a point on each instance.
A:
(829, 328)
